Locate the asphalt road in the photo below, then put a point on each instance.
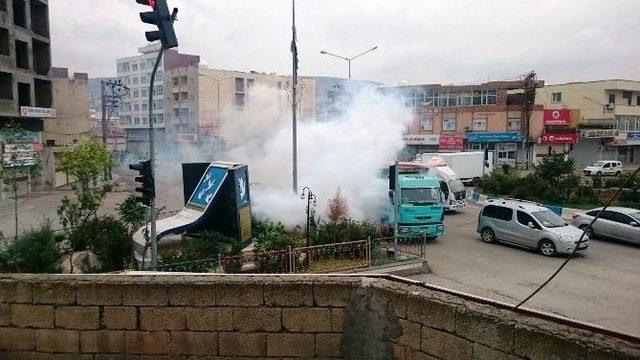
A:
(599, 286)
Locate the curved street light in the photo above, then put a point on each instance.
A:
(348, 59)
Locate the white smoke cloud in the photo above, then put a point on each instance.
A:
(347, 152)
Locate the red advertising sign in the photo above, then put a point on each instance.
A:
(559, 138)
(557, 117)
(451, 143)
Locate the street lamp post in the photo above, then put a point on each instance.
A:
(348, 59)
(310, 196)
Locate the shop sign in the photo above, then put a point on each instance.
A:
(494, 137)
(451, 143)
(37, 112)
(557, 117)
(599, 133)
(559, 139)
(421, 139)
(633, 135)
(19, 155)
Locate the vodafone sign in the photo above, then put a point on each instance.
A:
(559, 138)
(557, 117)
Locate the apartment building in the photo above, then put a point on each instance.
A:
(25, 61)
(201, 102)
(449, 118)
(135, 72)
(606, 114)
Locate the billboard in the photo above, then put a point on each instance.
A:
(208, 187)
(16, 155)
(552, 139)
(557, 117)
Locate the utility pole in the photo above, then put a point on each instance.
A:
(103, 101)
(294, 97)
(528, 99)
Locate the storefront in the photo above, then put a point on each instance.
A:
(628, 147)
(557, 136)
(419, 143)
(507, 147)
(451, 143)
(594, 145)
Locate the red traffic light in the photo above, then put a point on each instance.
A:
(151, 3)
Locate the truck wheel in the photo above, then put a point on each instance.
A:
(488, 236)
(547, 247)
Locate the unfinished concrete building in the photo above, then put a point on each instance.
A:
(25, 61)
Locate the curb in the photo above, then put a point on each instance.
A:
(565, 213)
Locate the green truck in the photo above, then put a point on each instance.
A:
(418, 209)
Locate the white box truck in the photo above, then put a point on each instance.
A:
(467, 165)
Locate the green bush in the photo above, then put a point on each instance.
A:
(111, 243)
(270, 236)
(35, 251)
(343, 230)
(204, 246)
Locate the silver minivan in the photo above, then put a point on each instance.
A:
(528, 224)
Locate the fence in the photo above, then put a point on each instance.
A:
(325, 258)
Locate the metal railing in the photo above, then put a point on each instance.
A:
(317, 259)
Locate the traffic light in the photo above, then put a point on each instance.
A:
(147, 185)
(160, 17)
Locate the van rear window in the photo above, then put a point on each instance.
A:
(498, 212)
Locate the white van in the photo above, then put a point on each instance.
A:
(601, 168)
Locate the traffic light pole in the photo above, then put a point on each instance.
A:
(152, 157)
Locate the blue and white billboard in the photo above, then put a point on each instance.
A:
(243, 197)
(208, 187)
(481, 137)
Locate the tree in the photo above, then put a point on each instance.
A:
(20, 164)
(88, 162)
(35, 251)
(338, 207)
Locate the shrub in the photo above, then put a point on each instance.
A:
(206, 245)
(270, 236)
(111, 243)
(35, 251)
(344, 230)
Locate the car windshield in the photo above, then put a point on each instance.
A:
(421, 196)
(549, 219)
(456, 186)
(635, 216)
(598, 164)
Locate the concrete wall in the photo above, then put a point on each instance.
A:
(239, 317)
(71, 101)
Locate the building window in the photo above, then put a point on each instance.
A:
(612, 98)
(142, 66)
(175, 81)
(449, 124)
(134, 67)
(159, 76)
(638, 100)
(239, 100)
(4, 42)
(489, 97)
(159, 90)
(513, 124)
(249, 83)
(143, 79)
(160, 104)
(160, 118)
(22, 54)
(480, 124)
(627, 95)
(136, 120)
(144, 93)
(556, 97)
(144, 119)
(184, 96)
(136, 107)
(136, 93)
(183, 80)
(6, 86)
(426, 122)
(176, 96)
(144, 106)
(191, 81)
(134, 80)
(20, 13)
(239, 85)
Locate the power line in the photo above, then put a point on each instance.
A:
(564, 263)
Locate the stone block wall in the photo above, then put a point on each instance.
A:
(152, 316)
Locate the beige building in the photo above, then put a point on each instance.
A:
(210, 105)
(71, 101)
(606, 114)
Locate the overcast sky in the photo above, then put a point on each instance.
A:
(420, 41)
